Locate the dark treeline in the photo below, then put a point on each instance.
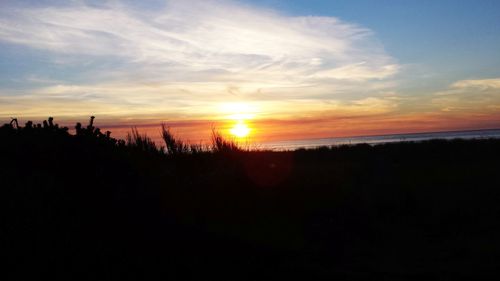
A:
(86, 206)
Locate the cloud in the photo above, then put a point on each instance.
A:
(219, 37)
(134, 100)
(483, 84)
(479, 95)
(182, 59)
(200, 33)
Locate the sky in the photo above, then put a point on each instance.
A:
(281, 69)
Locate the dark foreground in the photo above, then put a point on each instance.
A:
(87, 207)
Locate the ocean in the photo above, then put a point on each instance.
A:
(312, 143)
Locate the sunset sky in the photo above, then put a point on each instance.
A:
(282, 69)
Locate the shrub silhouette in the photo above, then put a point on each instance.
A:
(14, 122)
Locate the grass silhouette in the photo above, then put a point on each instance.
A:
(89, 206)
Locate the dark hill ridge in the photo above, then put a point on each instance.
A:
(88, 206)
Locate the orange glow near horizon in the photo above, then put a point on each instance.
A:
(264, 130)
(259, 128)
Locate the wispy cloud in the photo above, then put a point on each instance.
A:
(200, 36)
(483, 84)
(474, 95)
(197, 52)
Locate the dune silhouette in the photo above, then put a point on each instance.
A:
(85, 205)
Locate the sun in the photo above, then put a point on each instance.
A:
(238, 114)
(240, 129)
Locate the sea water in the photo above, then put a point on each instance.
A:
(415, 137)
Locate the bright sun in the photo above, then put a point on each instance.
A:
(240, 129)
(239, 113)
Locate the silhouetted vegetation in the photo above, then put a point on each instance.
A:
(89, 206)
(173, 145)
(222, 145)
